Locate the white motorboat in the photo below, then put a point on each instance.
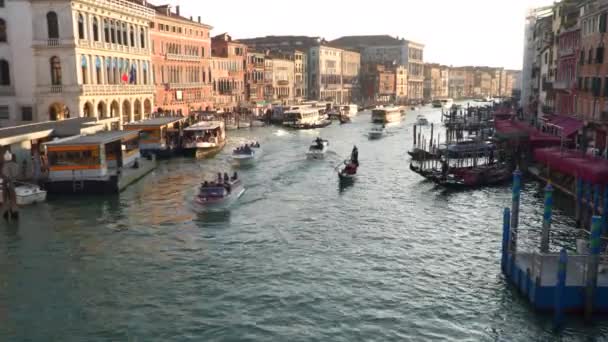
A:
(318, 149)
(246, 155)
(27, 194)
(376, 132)
(214, 196)
(421, 120)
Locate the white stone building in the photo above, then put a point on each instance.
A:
(92, 59)
(333, 73)
(17, 78)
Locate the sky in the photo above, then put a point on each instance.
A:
(455, 32)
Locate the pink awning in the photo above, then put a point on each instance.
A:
(568, 124)
(574, 163)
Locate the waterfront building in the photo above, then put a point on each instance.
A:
(378, 84)
(17, 72)
(92, 59)
(384, 49)
(228, 72)
(254, 77)
(567, 58)
(283, 86)
(181, 62)
(436, 83)
(334, 74)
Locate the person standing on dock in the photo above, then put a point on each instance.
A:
(10, 170)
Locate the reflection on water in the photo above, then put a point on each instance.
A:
(388, 257)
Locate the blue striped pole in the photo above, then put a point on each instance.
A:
(544, 244)
(506, 227)
(592, 265)
(516, 195)
(579, 200)
(596, 199)
(562, 268)
(605, 212)
(589, 205)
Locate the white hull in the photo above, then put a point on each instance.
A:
(316, 155)
(244, 159)
(27, 195)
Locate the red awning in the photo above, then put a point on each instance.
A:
(589, 168)
(567, 124)
(518, 130)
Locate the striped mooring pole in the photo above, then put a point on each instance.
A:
(544, 244)
(592, 265)
(516, 195)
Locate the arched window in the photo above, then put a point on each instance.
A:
(5, 73)
(145, 75)
(118, 33)
(109, 70)
(55, 71)
(133, 74)
(124, 35)
(142, 38)
(106, 30)
(95, 30)
(2, 30)
(113, 31)
(80, 26)
(52, 25)
(84, 69)
(132, 36)
(98, 70)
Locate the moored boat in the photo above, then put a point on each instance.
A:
(159, 136)
(318, 149)
(218, 194)
(204, 139)
(26, 194)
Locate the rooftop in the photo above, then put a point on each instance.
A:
(373, 40)
(156, 121)
(75, 124)
(95, 139)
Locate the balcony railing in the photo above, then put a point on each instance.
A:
(52, 42)
(124, 6)
(564, 85)
(566, 52)
(180, 57)
(187, 85)
(116, 89)
(55, 89)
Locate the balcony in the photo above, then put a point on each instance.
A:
(186, 85)
(566, 52)
(183, 58)
(116, 89)
(283, 83)
(564, 85)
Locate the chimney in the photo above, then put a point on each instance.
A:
(177, 9)
(199, 19)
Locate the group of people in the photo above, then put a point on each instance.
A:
(222, 181)
(247, 149)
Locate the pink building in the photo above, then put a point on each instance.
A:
(567, 61)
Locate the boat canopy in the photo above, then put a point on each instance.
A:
(567, 125)
(513, 130)
(205, 126)
(574, 163)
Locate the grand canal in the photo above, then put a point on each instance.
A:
(390, 258)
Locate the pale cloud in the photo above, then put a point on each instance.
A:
(455, 32)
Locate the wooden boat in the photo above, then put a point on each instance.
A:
(204, 139)
(348, 172)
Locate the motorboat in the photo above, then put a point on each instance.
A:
(318, 149)
(376, 132)
(204, 139)
(219, 194)
(246, 155)
(421, 120)
(26, 194)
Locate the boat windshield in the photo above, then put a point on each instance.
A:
(215, 191)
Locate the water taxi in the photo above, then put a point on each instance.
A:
(376, 132)
(318, 149)
(246, 155)
(386, 115)
(219, 194)
(105, 162)
(159, 136)
(421, 120)
(204, 139)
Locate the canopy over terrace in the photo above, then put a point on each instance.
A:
(516, 131)
(564, 125)
(574, 163)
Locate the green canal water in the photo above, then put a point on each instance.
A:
(390, 258)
